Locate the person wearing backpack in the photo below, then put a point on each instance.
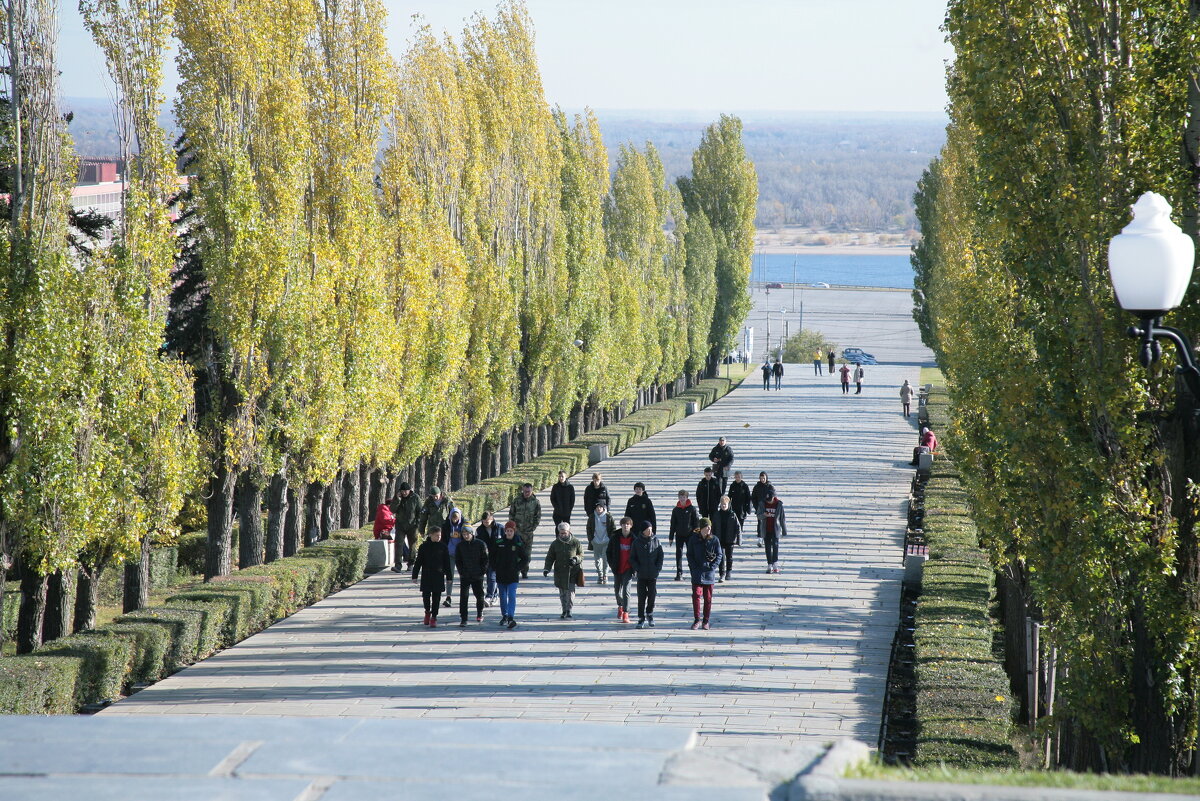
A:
(721, 457)
(739, 499)
(619, 554)
(646, 559)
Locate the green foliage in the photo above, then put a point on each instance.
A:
(151, 646)
(39, 684)
(801, 346)
(183, 632)
(106, 662)
(350, 559)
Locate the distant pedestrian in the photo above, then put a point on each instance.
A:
(562, 499)
(766, 372)
(858, 379)
(704, 557)
(818, 357)
(433, 560)
(564, 557)
(509, 562)
(647, 562)
(771, 526)
(845, 371)
(406, 507)
(739, 498)
(452, 533)
(595, 492)
(600, 529)
(831, 361)
(526, 509)
(619, 554)
(640, 507)
(708, 493)
(684, 521)
(757, 496)
(777, 371)
(906, 395)
(490, 532)
(728, 531)
(721, 457)
(471, 559)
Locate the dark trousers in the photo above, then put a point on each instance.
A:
(701, 596)
(527, 546)
(906, 410)
(680, 544)
(466, 585)
(771, 544)
(561, 517)
(858, 391)
(621, 588)
(766, 382)
(433, 601)
(728, 549)
(845, 387)
(647, 590)
(404, 555)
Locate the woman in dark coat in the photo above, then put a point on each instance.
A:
(509, 562)
(727, 530)
(433, 559)
(703, 555)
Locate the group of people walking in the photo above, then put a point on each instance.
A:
(847, 372)
(490, 559)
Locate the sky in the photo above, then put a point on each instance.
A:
(682, 55)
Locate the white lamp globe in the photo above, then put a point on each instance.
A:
(1150, 261)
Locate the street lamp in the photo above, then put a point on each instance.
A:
(1150, 265)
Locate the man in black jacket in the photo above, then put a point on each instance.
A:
(708, 493)
(684, 521)
(640, 508)
(721, 457)
(407, 509)
(471, 559)
(562, 499)
(739, 498)
(595, 492)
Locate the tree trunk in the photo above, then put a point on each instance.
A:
(218, 555)
(330, 507)
(506, 452)
(277, 511)
(136, 591)
(293, 527)
(251, 538)
(543, 439)
(314, 502)
(60, 603)
(351, 493)
(458, 468)
(365, 508)
(442, 477)
(87, 597)
(527, 453)
(475, 460)
(32, 615)
(4, 557)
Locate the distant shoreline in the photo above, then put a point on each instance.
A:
(835, 250)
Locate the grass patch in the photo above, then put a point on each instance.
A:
(1033, 778)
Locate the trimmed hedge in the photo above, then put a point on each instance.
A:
(39, 684)
(151, 644)
(963, 700)
(106, 662)
(183, 632)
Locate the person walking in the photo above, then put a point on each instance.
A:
(452, 534)
(684, 521)
(640, 507)
(406, 508)
(845, 371)
(509, 561)
(564, 557)
(756, 498)
(818, 357)
(646, 559)
(858, 379)
(777, 371)
(471, 559)
(906, 396)
(432, 566)
(600, 529)
(562, 499)
(771, 526)
(527, 511)
(595, 492)
(739, 498)
(766, 372)
(436, 510)
(728, 531)
(721, 457)
(708, 493)
(619, 554)
(831, 361)
(490, 532)
(704, 557)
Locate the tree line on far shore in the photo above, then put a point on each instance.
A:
(335, 321)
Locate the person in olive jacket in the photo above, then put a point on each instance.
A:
(436, 510)
(739, 498)
(704, 555)
(509, 561)
(432, 566)
(527, 511)
(640, 507)
(595, 492)
(471, 559)
(708, 493)
(619, 554)
(727, 530)
(684, 520)
(562, 499)
(564, 557)
(647, 562)
(407, 509)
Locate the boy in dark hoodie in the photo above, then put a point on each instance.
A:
(433, 561)
(684, 520)
(708, 493)
(620, 560)
(646, 559)
(471, 559)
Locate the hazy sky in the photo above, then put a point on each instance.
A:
(706, 55)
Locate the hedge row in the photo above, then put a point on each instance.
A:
(498, 493)
(963, 704)
(97, 666)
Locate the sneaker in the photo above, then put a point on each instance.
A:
(563, 616)
(679, 576)
(704, 625)
(512, 623)
(696, 625)
(433, 622)
(641, 624)
(479, 618)
(760, 542)
(567, 616)
(487, 601)
(503, 620)
(770, 570)
(463, 624)
(397, 570)
(604, 579)
(446, 603)
(620, 613)
(650, 622)
(720, 579)
(426, 618)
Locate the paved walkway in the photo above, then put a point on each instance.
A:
(794, 658)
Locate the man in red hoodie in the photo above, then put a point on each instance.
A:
(684, 521)
(620, 550)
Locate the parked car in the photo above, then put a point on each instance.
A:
(820, 285)
(858, 356)
(774, 285)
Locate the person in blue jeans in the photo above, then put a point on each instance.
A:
(509, 561)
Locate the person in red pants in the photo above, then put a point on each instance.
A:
(704, 558)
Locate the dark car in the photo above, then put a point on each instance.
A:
(774, 285)
(857, 356)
